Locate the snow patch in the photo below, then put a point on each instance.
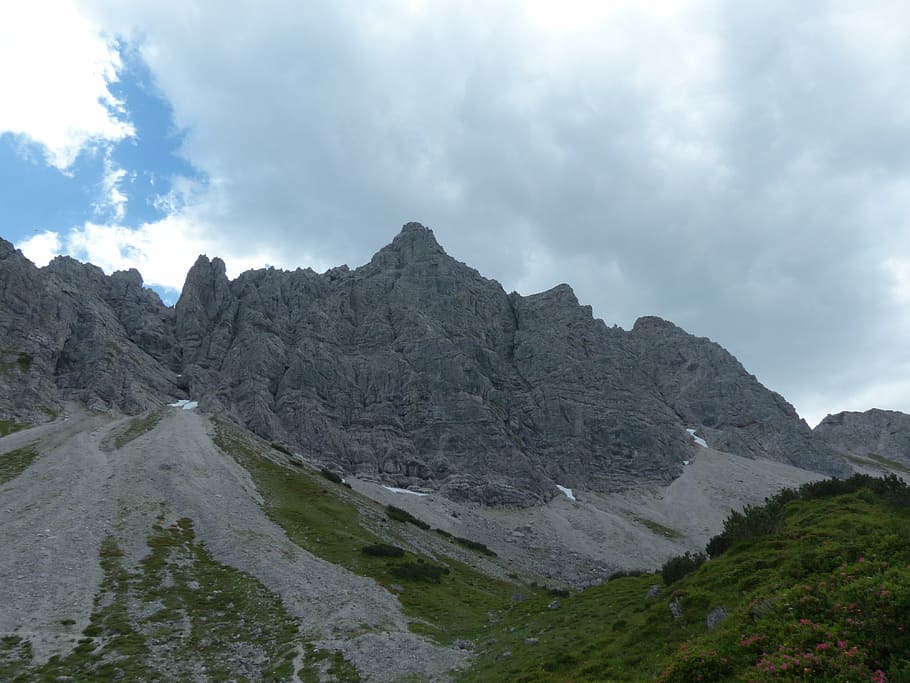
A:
(186, 404)
(397, 490)
(567, 491)
(700, 441)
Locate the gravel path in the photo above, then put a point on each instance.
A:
(54, 516)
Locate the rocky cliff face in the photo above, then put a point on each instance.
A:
(75, 333)
(709, 389)
(413, 368)
(885, 433)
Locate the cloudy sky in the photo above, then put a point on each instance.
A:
(741, 168)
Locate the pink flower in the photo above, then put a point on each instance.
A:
(841, 644)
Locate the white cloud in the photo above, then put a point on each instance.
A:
(113, 201)
(163, 251)
(41, 248)
(54, 80)
(738, 168)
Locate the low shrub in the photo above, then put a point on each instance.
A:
(382, 550)
(474, 545)
(682, 565)
(622, 573)
(763, 520)
(418, 571)
(400, 515)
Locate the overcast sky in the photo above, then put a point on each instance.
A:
(740, 168)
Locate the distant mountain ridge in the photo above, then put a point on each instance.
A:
(413, 369)
(875, 432)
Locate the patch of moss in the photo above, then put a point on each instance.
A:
(14, 463)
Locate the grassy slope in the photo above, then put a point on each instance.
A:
(9, 426)
(178, 614)
(329, 520)
(14, 463)
(825, 595)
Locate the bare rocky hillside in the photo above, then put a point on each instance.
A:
(413, 369)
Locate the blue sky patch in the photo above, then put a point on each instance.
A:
(37, 197)
(152, 158)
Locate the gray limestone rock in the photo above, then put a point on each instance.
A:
(709, 390)
(412, 369)
(884, 433)
(715, 617)
(104, 341)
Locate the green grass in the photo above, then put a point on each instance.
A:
(658, 528)
(7, 427)
(833, 575)
(15, 656)
(137, 427)
(14, 463)
(176, 614)
(879, 460)
(335, 523)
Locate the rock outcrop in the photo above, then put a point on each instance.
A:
(884, 433)
(413, 369)
(710, 390)
(78, 334)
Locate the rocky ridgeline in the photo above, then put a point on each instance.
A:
(885, 433)
(412, 368)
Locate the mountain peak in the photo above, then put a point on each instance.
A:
(414, 243)
(6, 249)
(416, 234)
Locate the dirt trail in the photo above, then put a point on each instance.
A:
(54, 516)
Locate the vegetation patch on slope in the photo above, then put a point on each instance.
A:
(814, 585)
(447, 599)
(14, 463)
(7, 427)
(178, 616)
(878, 461)
(658, 528)
(137, 427)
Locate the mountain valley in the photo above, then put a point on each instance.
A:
(397, 473)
